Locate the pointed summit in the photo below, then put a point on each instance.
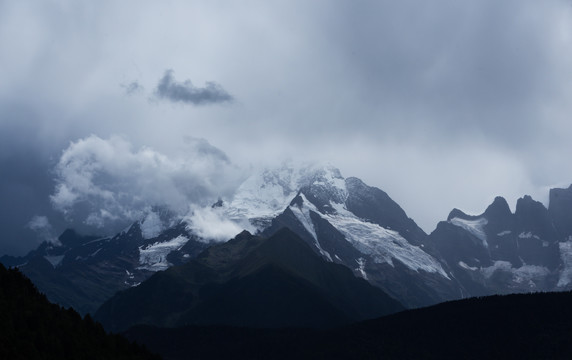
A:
(499, 209)
(324, 187)
(456, 213)
(528, 207)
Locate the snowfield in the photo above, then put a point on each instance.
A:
(154, 257)
(384, 245)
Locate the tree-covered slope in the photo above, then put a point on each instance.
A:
(33, 328)
(522, 326)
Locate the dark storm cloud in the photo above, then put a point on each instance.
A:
(186, 92)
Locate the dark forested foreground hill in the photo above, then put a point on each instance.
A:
(33, 328)
(531, 326)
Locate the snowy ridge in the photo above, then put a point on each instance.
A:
(302, 213)
(475, 227)
(265, 195)
(382, 244)
(329, 181)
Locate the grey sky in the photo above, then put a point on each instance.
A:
(441, 104)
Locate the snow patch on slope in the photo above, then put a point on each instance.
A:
(475, 227)
(467, 267)
(566, 257)
(154, 257)
(528, 235)
(361, 267)
(526, 274)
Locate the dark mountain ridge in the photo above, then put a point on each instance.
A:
(83, 271)
(250, 281)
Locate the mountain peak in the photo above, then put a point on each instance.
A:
(560, 197)
(527, 203)
(71, 238)
(498, 209)
(560, 208)
(456, 213)
(267, 192)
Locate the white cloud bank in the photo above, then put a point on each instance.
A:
(106, 183)
(211, 224)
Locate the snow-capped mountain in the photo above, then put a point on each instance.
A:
(344, 221)
(361, 227)
(84, 271)
(266, 193)
(501, 252)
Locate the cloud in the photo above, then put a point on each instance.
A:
(106, 183)
(132, 88)
(41, 225)
(211, 224)
(186, 92)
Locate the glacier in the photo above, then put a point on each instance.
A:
(154, 257)
(475, 227)
(384, 245)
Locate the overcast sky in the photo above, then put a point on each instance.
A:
(441, 104)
